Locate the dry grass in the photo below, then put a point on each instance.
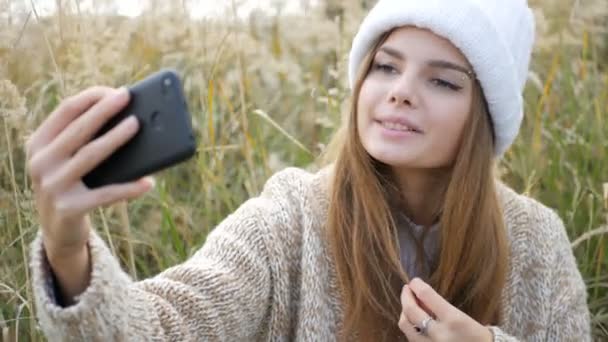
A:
(268, 92)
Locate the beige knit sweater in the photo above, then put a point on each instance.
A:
(265, 274)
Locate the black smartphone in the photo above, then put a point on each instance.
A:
(165, 136)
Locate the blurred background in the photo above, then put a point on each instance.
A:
(266, 86)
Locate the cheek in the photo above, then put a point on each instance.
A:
(365, 104)
(372, 93)
(449, 123)
(365, 99)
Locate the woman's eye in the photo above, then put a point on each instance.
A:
(385, 68)
(445, 84)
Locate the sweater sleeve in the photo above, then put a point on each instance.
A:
(569, 318)
(222, 293)
(501, 336)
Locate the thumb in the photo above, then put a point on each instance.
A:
(150, 182)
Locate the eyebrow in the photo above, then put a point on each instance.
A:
(436, 63)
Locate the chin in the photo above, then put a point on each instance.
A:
(400, 163)
(395, 158)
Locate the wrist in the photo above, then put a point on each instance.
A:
(71, 273)
(65, 256)
(64, 253)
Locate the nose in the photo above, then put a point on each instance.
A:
(402, 91)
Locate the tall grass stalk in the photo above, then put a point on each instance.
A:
(267, 92)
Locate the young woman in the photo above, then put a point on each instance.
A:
(406, 234)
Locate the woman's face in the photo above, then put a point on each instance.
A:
(415, 100)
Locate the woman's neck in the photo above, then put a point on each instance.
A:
(422, 191)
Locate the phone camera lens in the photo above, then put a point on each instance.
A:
(166, 87)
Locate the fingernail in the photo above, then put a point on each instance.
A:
(151, 182)
(131, 122)
(122, 91)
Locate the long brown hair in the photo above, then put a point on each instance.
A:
(472, 266)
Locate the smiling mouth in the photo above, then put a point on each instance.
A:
(394, 126)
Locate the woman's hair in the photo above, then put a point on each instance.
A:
(362, 232)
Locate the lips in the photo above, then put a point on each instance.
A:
(399, 124)
(397, 127)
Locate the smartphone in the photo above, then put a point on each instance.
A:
(165, 136)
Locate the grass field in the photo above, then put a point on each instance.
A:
(268, 92)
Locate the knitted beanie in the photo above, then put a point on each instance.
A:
(496, 37)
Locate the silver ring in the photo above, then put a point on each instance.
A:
(423, 329)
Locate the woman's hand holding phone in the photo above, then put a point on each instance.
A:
(59, 153)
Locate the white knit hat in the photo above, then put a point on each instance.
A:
(496, 37)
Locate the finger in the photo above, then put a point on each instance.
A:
(104, 196)
(409, 330)
(413, 312)
(75, 135)
(84, 127)
(431, 299)
(68, 110)
(91, 155)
